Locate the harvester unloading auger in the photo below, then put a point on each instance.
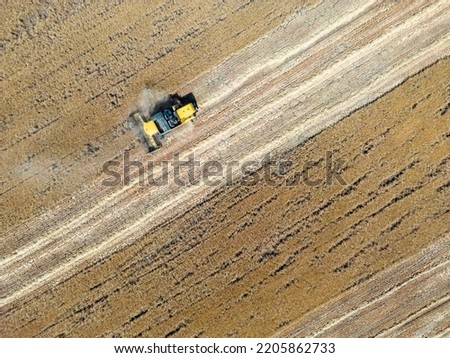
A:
(167, 115)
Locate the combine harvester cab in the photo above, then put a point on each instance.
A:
(168, 115)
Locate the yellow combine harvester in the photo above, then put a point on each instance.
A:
(173, 112)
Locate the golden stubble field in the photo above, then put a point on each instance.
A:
(72, 74)
(285, 259)
(252, 260)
